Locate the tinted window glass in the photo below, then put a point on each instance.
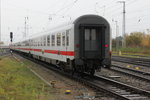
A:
(63, 39)
(93, 34)
(53, 40)
(58, 39)
(48, 40)
(87, 34)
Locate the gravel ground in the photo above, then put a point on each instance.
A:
(141, 68)
(125, 79)
(62, 84)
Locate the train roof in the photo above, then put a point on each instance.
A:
(84, 17)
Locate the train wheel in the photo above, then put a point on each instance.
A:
(73, 71)
(92, 72)
(81, 71)
(108, 66)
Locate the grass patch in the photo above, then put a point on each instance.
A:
(134, 51)
(18, 83)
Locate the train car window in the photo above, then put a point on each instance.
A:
(36, 42)
(63, 38)
(41, 41)
(58, 39)
(53, 40)
(93, 34)
(87, 34)
(26, 44)
(48, 40)
(31, 42)
(67, 37)
(44, 40)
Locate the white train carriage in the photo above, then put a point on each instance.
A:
(81, 46)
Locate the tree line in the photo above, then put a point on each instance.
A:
(134, 40)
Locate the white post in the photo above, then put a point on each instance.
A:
(123, 24)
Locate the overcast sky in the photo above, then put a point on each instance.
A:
(43, 14)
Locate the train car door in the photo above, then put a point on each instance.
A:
(67, 41)
(91, 41)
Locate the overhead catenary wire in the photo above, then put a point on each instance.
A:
(69, 8)
(131, 2)
(117, 11)
(71, 4)
(27, 9)
(115, 8)
(52, 5)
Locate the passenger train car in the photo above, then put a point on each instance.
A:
(80, 46)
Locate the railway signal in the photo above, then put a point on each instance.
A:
(11, 36)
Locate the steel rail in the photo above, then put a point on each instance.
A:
(129, 69)
(131, 72)
(135, 61)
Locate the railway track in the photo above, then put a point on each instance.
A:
(141, 56)
(108, 86)
(4, 54)
(135, 61)
(123, 90)
(131, 72)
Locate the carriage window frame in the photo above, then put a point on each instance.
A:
(87, 34)
(63, 39)
(58, 39)
(93, 34)
(48, 40)
(53, 40)
(44, 40)
(27, 43)
(35, 42)
(39, 43)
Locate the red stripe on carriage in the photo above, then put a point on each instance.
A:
(67, 53)
(37, 50)
(51, 51)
